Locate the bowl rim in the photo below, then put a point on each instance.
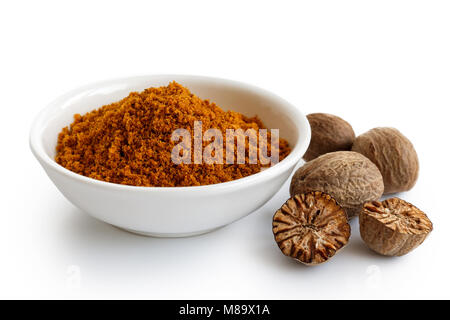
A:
(298, 150)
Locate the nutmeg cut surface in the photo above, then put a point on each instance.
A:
(311, 227)
(393, 227)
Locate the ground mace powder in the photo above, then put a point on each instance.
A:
(129, 142)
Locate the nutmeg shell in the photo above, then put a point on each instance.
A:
(393, 154)
(347, 176)
(329, 133)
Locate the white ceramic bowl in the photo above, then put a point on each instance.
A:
(174, 211)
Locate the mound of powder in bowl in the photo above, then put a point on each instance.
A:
(129, 141)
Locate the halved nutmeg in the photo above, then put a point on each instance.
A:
(311, 227)
(393, 227)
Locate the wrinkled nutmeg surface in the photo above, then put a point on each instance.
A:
(393, 227)
(347, 176)
(311, 227)
(393, 154)
(329, 133)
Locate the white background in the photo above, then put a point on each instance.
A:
(374, 63)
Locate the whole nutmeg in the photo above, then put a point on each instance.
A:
(329, 133)
(393, 154)
(393, 227)
(311, 228)
(347, 176)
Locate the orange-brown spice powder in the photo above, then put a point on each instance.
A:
(129, 142)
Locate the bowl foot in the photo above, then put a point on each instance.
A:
(168, 235)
